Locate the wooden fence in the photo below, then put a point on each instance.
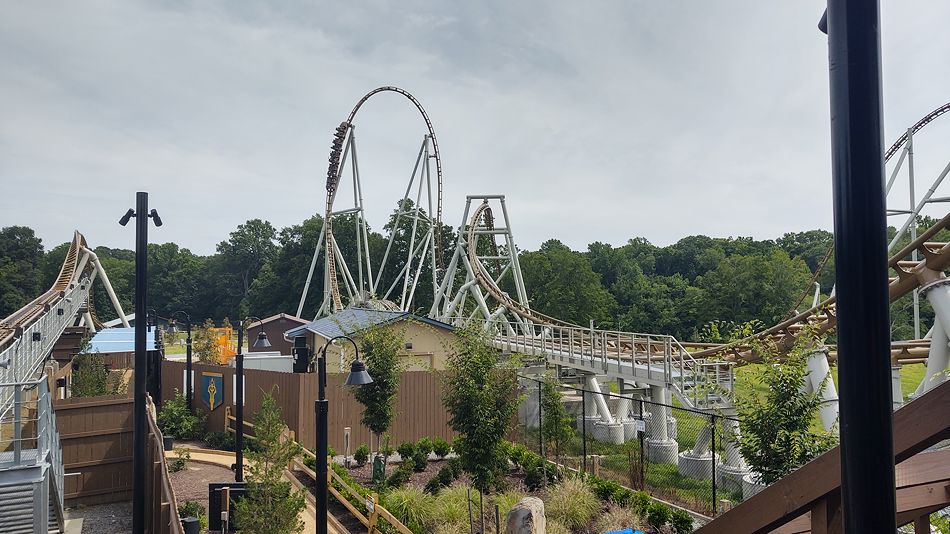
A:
(95, 434)
(419, 410)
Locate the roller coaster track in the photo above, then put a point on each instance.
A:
(916, 128)
(28, 335)
(909, 276)
(333, 178)
(652, 359)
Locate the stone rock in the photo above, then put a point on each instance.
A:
(526, 517)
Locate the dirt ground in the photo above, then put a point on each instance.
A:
(114, 518)
(191, 483)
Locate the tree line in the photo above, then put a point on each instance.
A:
(698, 288)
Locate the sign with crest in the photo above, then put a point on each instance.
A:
(212, 389)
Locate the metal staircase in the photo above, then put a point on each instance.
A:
(31, 467)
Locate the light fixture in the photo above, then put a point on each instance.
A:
(262, 342)
(358, 375)
(125, 218)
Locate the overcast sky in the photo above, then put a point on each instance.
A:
(599, 121)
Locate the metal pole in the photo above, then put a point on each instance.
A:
(584, 427)
(643, 480)
(239, 409)
(867, 454)
(141, 363)
(713, 455)
(321, 407)
(188, 369)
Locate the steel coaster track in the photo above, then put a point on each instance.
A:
(11, 326)
(333, 177)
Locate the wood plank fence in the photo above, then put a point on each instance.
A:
(419, 410)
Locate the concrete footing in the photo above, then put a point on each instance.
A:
(661, 451)
(698, 466)
(609, 432)
(729, 478)
(751, 485)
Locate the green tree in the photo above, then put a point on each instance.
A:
(777, 432)
(562, 284)
(90, 377)
(380, 348)
(480, 398)
(272, 506)
(743, 288)
(203, 346)
(556, 423)
(240, 258)
(21, 262)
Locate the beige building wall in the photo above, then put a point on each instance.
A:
(425, 347)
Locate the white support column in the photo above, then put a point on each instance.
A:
(819, 378)
(897, 393)
(660, 448)
(938, 293)
(108, 286)
(937, 361)
(729, 475)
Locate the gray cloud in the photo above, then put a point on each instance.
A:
(599, 121)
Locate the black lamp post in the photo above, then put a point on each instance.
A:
(261, 342)
(357, 377)
(189, 395)
(141, 214)
(867, 455)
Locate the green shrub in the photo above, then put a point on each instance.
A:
(181, 460)
(451, 505)
(658, 514)
(533, 477)
(506, 501)
(419, 461)
(411, 505)
(455, 467)
(441, 447)
(681, 521)
(442, 479)
(194, 509)
(517, 453)
(400, 477)
(387, 448)
(424, 445)
(572, 503)
(90, 377)
(617, 518)
(222, 441)
(361, 455)
(331, 452)
(406, 449)
(641, 503)
(176, 421)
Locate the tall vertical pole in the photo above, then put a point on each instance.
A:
(239, 409)
(188, 369)
(141, 363)
(321, 407)
(913, 223)
(712, 455)
(867, 453)
(584, 427)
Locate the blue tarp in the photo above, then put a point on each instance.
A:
(119, 340)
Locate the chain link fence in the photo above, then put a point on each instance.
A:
(689, 461)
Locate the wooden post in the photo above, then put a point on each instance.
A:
(374, 514)
(826, 515)
(922, 524)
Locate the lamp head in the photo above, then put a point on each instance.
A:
(262, 342)
(154, 215)
(358, 375)
(125, 218)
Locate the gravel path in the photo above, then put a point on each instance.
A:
(113, 518)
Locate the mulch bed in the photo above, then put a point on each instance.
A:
(191, 483)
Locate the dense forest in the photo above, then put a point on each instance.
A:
(698, 288)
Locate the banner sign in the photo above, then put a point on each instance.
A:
(212, 389)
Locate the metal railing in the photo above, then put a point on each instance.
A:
(29, 437)
(24, 356)
(653, 358)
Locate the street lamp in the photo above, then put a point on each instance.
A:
(357, 377)
(261, 342)
(189, 395)
(142, 215)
